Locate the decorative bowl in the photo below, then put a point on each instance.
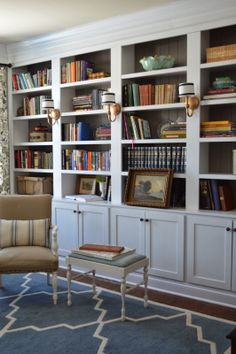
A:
(157, 62)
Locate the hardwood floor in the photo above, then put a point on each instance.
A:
(168, 299)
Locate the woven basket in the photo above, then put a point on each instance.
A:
(224, 52)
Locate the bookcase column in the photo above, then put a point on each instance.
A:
(193, 124)
(56, 129)
(116, 158)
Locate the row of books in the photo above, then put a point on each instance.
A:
(136, 127)
(77, 70)
(33, 105)
(216, 195)
(87, 102)
(24, 81)
(76, 131)
(73, 159)
(148, 94)
(219, 128)
(33, 159)
(107, 252)
(156, 157)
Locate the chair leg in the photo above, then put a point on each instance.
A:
(1, 284)
(54, 287)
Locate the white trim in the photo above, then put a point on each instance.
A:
(163, 21)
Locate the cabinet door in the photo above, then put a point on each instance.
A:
(234, 259)
(165, 244)
(209, 251)
(127, 228)
(93, 224)
(66, 218)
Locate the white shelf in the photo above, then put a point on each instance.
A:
(154, 107)
(85, 172)
(32, 90)
(83, 113)
(213, 102)
(40, 143)
(218, 140)
(221, 176)
(86, 142)
(94, 82)
(36, 170)
(33, 117)
(219, 64)
(154, 141)
(161, 72)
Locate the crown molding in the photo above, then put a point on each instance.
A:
(181, 16)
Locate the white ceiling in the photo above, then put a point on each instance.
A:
(24, 19)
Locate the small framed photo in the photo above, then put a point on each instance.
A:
(86, 185)
(149, 187)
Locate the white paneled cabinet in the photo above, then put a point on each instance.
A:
(211, 252)
(157, 234)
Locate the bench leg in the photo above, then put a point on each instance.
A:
(123, 290)
(69, 285)
(145, 280)
(94, 283)
(1, 285)
(54, 287)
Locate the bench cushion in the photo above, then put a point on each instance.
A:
(121, 262)
(24, 233)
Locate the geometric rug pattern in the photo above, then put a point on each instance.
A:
(31, 324)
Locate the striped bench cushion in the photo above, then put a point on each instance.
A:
(24, 233)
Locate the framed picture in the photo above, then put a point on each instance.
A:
(149, 187)
(85, 185)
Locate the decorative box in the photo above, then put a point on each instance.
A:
(224, 52)
(40, 136)
(34, 185)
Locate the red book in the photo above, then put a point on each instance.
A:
(102, 248)
(226, 198)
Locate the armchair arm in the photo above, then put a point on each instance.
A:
(53, 232)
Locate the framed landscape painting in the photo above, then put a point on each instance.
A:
(85, 185)
(149, 187)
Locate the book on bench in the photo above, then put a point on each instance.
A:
(105, 255)
(103, 248)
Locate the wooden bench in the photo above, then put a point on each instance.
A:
(120, 267)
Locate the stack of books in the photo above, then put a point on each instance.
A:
(174, 130)
(82, 102)
(218, 128)
(222, 87)
(103, 132)
(104, 251)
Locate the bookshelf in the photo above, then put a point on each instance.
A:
(187, 238)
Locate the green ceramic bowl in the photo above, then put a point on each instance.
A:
(157, 62)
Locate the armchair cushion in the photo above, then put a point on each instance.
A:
(24, 233)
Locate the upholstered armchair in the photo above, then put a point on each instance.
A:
(28, 242)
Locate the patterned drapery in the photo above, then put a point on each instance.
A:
(4, 135)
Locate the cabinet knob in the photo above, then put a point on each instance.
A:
(79, 212)
(147, 220)
(228, 229)
(74, 211)
(141, 219)
(234, 229)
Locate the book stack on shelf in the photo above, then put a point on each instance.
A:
(106, 252)
(174, 130)
(148, 94)
(103, 132)
(25, 81)
(82, 103)
(75, 131)
(222, 87)
(157, 157)
(136, 127)
(76, 70)
(216, 195)
(219, 128)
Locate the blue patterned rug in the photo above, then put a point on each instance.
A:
(31, 324)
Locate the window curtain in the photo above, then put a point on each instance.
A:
(4, 135)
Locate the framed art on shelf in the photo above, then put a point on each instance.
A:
(86, 185)
(149, 187)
